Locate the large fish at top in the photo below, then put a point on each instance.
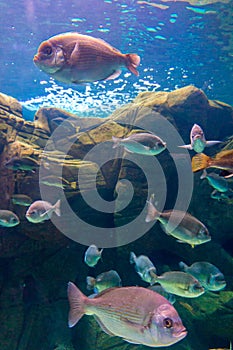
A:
(76, 58)
(197, 140)
(136, 314)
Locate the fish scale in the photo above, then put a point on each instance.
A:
(136, 314)
(77, 58)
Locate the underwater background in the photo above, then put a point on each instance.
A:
(180, 43)
(62, 136)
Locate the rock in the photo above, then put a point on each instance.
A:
(79, 152)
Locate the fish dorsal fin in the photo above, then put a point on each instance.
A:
(105, 291)
(223, 154)
(108, 45)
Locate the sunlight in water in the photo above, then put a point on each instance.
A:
(97, 99)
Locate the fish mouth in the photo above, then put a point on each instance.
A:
(36, 59)
(181, 334)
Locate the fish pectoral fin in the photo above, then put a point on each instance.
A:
(45, 213)
(212, 143)
(114, 75)
(127, 150)
(75, 53)
(103, 327)
(189, 147)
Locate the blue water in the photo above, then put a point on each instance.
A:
(180, 45)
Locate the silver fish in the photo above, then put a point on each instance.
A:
(136, 314)
(8, 218)
(92, 255)
(210, 277)
(21, 199)
(39, 211)
(141, 143)
(221, 196)
(198, 141)
(181, 225)
(180, 283)
(104, 281)
(219, 183)
(144, 267)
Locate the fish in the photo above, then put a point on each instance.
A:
(92, 255)
(59, 182)
(181, 225)
(222, 160)
(75, 58)
(135, 314)
(141, 143)
(144, 267)
(21, 199)
(103, 281)
(210, 277)
(159, 289)
(180, 283)
(219, 183)
(22, 164)
(221, 196)
(39, 211)
(198, 141)
(8, 218)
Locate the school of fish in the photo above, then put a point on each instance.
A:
(136, 314)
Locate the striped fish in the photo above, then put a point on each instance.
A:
(136, 314)
(76, 58)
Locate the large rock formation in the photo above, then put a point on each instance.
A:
(37, 260)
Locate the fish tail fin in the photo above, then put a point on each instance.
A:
(200, 161)
(116, 141)
(182, 265)
(204, 174)
(90, 282)
(132, 258)
(73, 185)
(132, 62)
(77, 302)
(152, 212)
(57, 208)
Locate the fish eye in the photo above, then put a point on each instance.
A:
(13, 220)
(167, 323)
(48, 50)
(197, 286)
(202, 231)
(159, 144)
